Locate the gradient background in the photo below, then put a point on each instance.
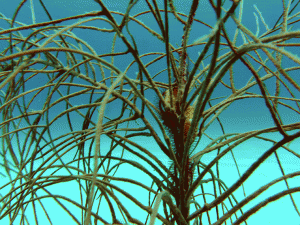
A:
(251, 116)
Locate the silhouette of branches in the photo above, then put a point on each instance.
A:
(79, 115)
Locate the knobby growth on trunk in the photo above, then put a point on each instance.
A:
(120, 115)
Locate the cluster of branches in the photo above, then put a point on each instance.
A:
(73, 71)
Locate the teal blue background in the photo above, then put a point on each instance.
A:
(251, 116)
